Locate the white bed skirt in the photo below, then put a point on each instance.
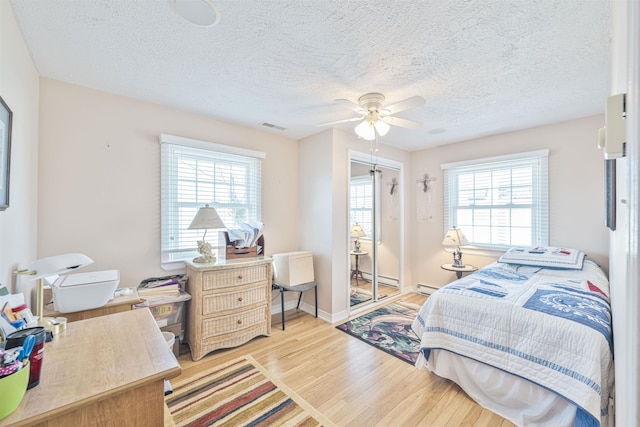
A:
(518, 400)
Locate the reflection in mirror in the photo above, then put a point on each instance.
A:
(374, 215)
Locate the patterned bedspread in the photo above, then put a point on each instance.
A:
(549, 326)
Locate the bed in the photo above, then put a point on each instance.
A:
(529, 339)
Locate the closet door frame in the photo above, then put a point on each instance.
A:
(366, 158)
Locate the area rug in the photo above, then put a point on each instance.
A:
(239, 393)
(359, 296)
(389, 329)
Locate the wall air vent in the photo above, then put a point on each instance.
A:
(269, 125)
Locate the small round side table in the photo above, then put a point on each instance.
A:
(459, 270)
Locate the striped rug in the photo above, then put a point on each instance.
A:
(239, 393)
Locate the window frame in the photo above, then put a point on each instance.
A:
(540, 195)
(364, 181)
(176, 214)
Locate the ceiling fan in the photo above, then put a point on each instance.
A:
(376, 117)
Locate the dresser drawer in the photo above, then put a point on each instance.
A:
(215, 303)
(233, 322)
(228, 278)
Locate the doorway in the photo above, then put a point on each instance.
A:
(375, 225)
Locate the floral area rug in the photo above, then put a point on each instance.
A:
(359, 296)
(389, 329)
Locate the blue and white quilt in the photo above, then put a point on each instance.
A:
(549, 326)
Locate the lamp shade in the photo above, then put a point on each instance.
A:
(58, 264)
(454, 238)
(366, 131)
(206, 218)
(357, 231)
(382, 128)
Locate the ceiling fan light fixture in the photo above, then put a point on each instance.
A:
(382, 128)
(366, 131)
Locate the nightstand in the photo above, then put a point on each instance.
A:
(355, 273)
(459, 270)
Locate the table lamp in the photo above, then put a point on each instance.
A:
(52, 266)
(452, 242)
(357, 232)
(206, 218)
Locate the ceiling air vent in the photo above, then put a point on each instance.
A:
(270, 125)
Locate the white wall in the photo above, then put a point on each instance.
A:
(324, 216)
(315, 196)
(99, 177)
(19, 86)
(576, 192)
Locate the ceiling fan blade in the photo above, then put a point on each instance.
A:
(405, 123)
(414, 101)
(353, 119)
(350, 104)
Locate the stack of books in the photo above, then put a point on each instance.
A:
(170, 288)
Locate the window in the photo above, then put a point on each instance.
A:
(499, 202)
(361, 203)
(194, 173)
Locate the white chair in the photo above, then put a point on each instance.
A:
(293, 271)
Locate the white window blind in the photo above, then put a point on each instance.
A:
(195, 173)
(361, 203)
(499, 202)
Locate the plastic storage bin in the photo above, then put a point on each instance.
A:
(168, 311)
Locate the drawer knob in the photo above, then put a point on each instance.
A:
(240, 299)
(239, 276)
(239, 322)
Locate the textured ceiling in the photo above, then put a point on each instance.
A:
(483, 66)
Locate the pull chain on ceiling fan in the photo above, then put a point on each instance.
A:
(375, 118)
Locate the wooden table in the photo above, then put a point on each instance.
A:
(356, 271)
(105, 371)
(459, 270)
(115, 305)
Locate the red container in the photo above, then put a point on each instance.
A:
(37, 354)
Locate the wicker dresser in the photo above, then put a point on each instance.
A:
(230, 304)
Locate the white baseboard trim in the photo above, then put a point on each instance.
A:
(425, 289)
(383, 280)
(306, 307)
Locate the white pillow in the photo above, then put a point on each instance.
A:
(545, 256)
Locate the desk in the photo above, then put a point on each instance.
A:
(105, 371)
(356, 271)
(459, 270)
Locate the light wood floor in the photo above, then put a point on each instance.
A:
(351, 382)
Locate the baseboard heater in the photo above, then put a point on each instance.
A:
(383, 280)
(426, 289)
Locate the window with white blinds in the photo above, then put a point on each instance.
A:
(499, 202)
(361, 203)
(195, 173)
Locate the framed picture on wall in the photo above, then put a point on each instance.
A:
(5, 153)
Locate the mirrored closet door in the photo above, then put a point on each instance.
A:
(375, 232)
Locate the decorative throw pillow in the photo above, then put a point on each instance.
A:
(545, 256)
